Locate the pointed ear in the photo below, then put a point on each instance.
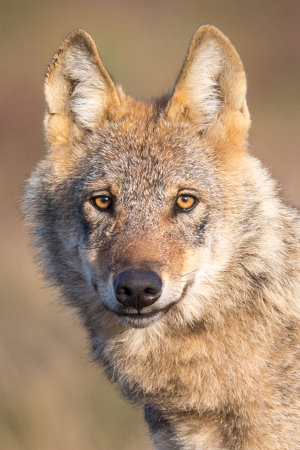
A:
(211, 88)
(78, 88)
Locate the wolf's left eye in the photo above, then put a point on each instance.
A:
(186, 202)
(102, 202)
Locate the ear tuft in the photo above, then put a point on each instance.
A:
(201, 81)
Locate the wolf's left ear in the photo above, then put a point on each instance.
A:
(78, 88)
(211, 88)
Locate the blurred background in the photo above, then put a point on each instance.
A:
(51, 396)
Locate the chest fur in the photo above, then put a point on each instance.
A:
(197, 372)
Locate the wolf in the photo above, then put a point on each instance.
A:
(170, 240)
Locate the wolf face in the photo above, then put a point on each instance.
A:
(131, 194)
(144, 219)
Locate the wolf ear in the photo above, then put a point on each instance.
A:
(78, 88)
(211, 88)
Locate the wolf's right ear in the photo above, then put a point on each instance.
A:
(78, 88)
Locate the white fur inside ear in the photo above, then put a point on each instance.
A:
(201, 81)
(88, 97)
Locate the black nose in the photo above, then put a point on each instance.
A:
(137, 288)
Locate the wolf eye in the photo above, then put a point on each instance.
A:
(102, 202)
(186, 202)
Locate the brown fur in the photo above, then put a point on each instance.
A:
(220, 368)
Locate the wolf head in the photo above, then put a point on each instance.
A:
(138, 208)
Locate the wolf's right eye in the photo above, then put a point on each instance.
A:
(102, 202)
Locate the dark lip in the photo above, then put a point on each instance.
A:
(141, 315)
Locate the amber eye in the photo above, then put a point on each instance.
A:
(102, 202)
(185, 202)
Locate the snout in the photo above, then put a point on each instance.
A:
(137, 288)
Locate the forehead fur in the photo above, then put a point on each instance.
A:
(140, 129)
(147, 148)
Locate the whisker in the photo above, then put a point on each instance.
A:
(186, 274)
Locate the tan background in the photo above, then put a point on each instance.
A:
(51, 397)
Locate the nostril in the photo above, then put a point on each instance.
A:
(123, 290)
(150, 292)
(123, 294)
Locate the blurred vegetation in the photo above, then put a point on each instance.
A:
(51, 396)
